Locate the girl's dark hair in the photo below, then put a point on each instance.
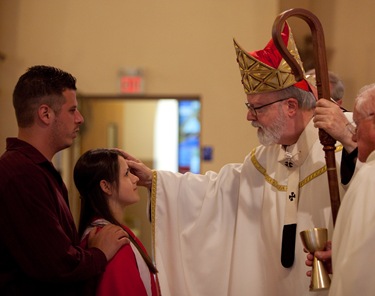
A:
(92, 167)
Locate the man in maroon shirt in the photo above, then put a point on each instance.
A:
(39, 243)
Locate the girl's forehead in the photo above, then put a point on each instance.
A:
(122, 162)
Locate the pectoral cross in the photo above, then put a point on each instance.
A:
(288, 163)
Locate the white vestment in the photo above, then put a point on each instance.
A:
(220, 234)
(354, 236)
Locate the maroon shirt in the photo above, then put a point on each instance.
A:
(39, 243)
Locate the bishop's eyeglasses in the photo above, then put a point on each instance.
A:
(253, 109)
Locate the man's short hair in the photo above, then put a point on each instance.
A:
(40, 85)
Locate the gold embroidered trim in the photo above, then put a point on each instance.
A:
(339, 148)
(153, 209)
(312, 176)
(276, 184)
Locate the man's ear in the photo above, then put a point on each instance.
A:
(44, 113)
(106, 187)
(292, 104)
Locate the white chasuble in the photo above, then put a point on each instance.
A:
(220, 234)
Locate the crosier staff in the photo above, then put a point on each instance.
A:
(322, 83)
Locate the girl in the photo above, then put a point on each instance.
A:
(106, 187)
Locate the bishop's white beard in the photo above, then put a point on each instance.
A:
(271, 134)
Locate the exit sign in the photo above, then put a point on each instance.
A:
(131, 84)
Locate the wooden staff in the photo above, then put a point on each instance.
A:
(322, 84)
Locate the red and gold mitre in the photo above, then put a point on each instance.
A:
(265, 70)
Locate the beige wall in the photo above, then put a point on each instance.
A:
(185, 47)
(355, 43)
